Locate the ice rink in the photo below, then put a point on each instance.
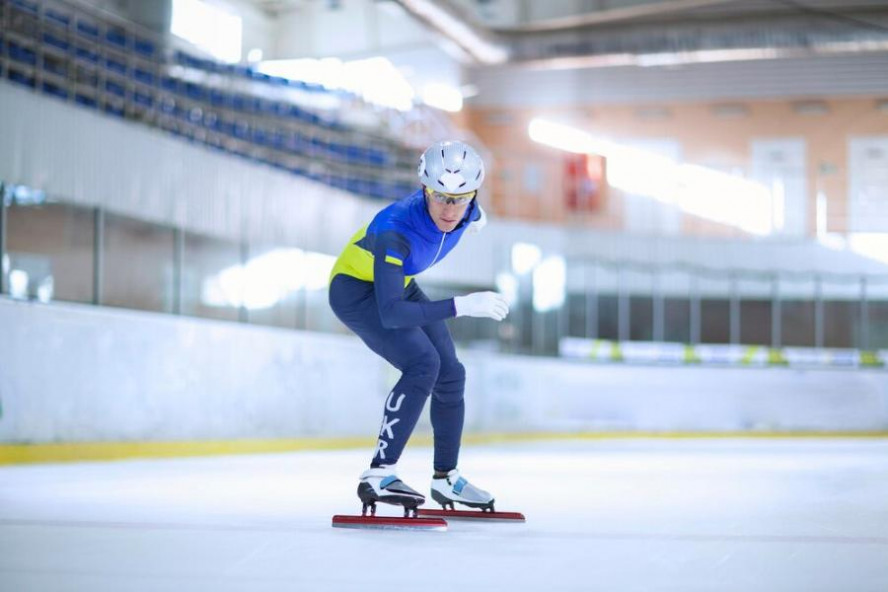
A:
(682, 515)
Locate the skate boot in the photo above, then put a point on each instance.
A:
(454, 488)
(382, 485)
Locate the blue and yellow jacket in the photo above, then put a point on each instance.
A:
(400, 242)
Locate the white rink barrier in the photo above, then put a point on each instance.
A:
(636, 352)
(76, 373)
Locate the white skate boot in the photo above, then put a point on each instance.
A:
(454, 488)
(383, 485)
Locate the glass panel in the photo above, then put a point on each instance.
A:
(639, 285)
(641, 318)
(607, 286)
(755, 310)
(50, 249)
(139, 266)
(797, 312)
(841, 312)
(715, 320)
(877, 294)
(677, 321)
(212, 278)
(575, 309)
(878, 324)
(715, 306)
(675, 286)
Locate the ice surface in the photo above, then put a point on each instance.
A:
(678, 515)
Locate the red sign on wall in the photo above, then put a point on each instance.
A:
(585, 182)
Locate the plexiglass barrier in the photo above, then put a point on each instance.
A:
(55, 251)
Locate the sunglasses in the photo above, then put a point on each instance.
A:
(456, 199)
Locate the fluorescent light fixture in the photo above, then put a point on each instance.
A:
(697, 190)
(375, 79)
(558, 135)
(549, 281)
(378, 81)
(442, 96)
(525, 257)
(208, 27)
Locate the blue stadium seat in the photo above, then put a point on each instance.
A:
(57, 18)
(114, 109)
(87, 29)
(144, 47)
(195, 92)
(21, 78)
(57, 67)
(116, 38)
(143, 99)
(170, 84)
(354, 154)
(55, 90)
(260, 136)
(143, 76)
(22, 54)
(168, 106)
(219, 98)
(241, 130)
(54, 40)
(224, 126)
(266, 107)
(376, 156)
(26, 6)
(86, 101)
(115, 88)
(115, 66)
(239, 103)
(86, 54)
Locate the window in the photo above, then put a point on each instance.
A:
(208, 27)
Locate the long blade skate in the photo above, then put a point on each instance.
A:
(476, 515)
(410, 521)
(390, 523)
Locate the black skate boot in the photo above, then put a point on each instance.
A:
(383, 485)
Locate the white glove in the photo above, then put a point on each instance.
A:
(476, 225)
(481, 304)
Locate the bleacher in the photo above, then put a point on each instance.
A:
(90, 59)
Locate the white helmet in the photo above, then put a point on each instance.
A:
(451, 167)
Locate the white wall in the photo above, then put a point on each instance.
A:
(72, 373)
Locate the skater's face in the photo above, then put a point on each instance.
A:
(447, 209)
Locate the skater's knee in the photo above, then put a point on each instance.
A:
(451, 382)
(425, 367)
(453, 373)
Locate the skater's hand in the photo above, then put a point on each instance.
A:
(489, 305)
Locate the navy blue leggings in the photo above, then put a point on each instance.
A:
(427, 360)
